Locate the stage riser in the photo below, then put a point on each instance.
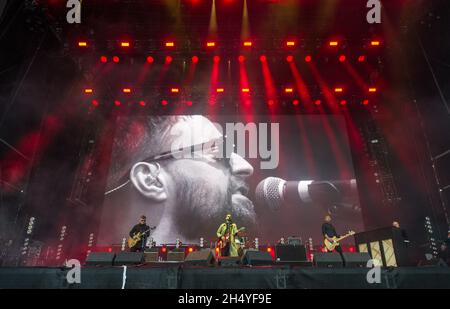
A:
(229, 278)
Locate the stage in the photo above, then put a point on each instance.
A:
(176, 276)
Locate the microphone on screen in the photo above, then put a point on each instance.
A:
(274, 192)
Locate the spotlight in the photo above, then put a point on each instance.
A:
(365, 102)
(245, 90)
(372, 89)
(333, 43)
(116, 59)
(124, 44)
(168, 59)
(308, 58)
(164, 249)
(95, 103)
(271, 102)
(343, 102)
(210, 44)
(247, 44)
(295, 102)
(216, 59)
(103, 59)
(117, 103)
(269, 249)
(220, 90)
(150, 59)
(290, 43)
(142, 103)
(164, 103)
(170, 44)
(241, 58)
(290, 58)
(175, 90)
(189, 103)
(88, 90)
(194, 59)
(190, 249)
(338, 89)
(342, 58)
(318, 102)
(375, 43)
(288, 90)
(361, 58)
(82, 44)
(263, 58)
(126, 90)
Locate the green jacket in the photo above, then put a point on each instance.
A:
(233, 230)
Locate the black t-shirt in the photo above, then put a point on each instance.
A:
(140, 228)
(329, 230)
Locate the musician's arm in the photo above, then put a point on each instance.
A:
(133, 231)
(220, 230)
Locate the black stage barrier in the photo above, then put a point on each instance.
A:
(176, 276)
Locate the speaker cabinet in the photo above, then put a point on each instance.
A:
(151, 256)
(356, 259)
(257, 258)
(200, 258)
(173, 256)
(129, 258)
(100, 259)
(291, 253)
(328, 260)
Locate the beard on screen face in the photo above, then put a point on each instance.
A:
(204, 197)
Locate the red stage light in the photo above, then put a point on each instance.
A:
(126, 90)
(217, 250)
(170, 44)
(269, 249)
(334, 43)
(150, 59)
(271, 102)
(308, 58)
(109, 249)
(290, 43)
(82, 44)
(339, 90)
(142, 103)
(88, 90)
(194, 59)
(241, 58)
(343, 102)
(361, 58)
(163, 249)
(164, 103)
(263, 58)
(295, 102)
(248, 44)
(117, 103)
(248, 102)
(216, 59)
(246, 90)
(190, 249)
(95, 103)
(318, 102)
(103, 59)
(124, 44)
(365, 102)
(168, 59)
(372, 89)
(189, 103)
(342, 58)
(210, 44)
(290, 58)
(375, 43)
(220, 90)
(175, 90)
(288, 90)
(116, 59)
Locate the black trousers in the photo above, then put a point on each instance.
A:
(338, 249)
(138, 247)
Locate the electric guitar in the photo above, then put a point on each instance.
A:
(331, 245)
(225, 239)
(132, 241)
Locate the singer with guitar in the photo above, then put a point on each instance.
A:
(138, 235)
(332, 238)
(226, 233)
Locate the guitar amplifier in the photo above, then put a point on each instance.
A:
(151, 256)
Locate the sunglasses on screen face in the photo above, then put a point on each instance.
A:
(214, 151)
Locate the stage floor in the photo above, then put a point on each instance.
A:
(179, 277)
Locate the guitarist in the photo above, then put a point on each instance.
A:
(226, 233)
(329, 231)
(141, 227)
